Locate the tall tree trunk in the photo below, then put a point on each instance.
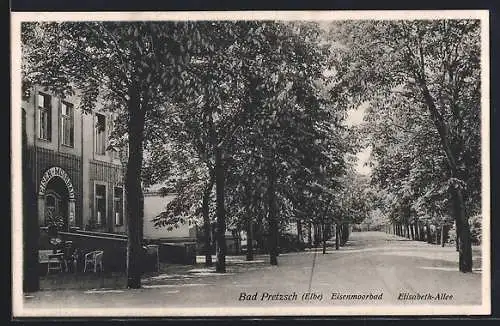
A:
(442, 235)
(316, 235)
(248, 225)
(309, 234)
(134, 195)
(220, 237)
(206, 222)
(458, 204)
(463, 231)
(446, 233)
(323, 236)
(258, 234)
(299, 231)
(249, 231)
(428, 233)
(344, 235)
(220, 228)
(272, 218)
(237, 237)
(337, 236)
(31, 230)
(213, 236)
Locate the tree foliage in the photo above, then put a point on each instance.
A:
(422, 82)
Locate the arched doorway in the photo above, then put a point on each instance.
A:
(56, 202)
(56, 198)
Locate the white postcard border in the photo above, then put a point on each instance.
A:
(17, 294)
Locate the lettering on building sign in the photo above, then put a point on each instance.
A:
(56, 172)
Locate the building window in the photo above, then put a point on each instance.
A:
(115, 149)
(118, 205)
(100, 204)
(100, 134)
(44, 117)
(67, 124)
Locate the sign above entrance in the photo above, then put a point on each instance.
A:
(56, 172)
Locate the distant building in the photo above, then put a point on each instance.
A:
(155, 201)
(77, 177)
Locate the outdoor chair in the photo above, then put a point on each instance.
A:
(55, 262)
(94, 259)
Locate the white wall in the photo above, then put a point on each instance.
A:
(153, 205)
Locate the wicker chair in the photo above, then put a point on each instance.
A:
(94, 260)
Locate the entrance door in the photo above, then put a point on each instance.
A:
(52, 201)
(56, 203)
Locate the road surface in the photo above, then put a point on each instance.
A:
(373, 268)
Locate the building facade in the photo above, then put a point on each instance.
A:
(155, 202)
(79, 179)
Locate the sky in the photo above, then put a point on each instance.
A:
(355, 117)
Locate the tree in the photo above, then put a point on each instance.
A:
(433, 66)
(132, 68)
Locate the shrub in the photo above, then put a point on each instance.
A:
(475, 223)
(290, 242)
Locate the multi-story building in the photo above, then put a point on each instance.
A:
(77, 176)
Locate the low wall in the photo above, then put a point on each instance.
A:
(115, 249)
(177, 253)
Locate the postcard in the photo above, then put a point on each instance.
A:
(250, 163)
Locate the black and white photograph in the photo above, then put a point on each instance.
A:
(250, 163)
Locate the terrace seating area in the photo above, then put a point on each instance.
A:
(69, 259)
(95, 252)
